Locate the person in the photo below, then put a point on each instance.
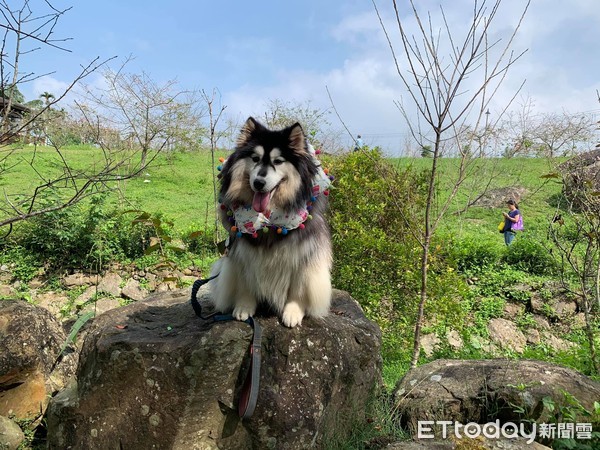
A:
(512, 216)
(358, 144)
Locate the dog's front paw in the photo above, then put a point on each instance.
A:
(242, 312)
(292, 315)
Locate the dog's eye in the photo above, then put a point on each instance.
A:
(255, 158)
(278, 161)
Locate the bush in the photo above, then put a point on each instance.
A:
(373, 250)
(82, 236)
(474, 254)
(530, 256)
(375, 209)
(199, 240)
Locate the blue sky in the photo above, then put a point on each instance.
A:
(290, 50)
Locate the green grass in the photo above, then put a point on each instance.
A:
(180, 184)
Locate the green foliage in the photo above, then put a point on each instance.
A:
(474, 253)
(374, 428)
(488, 308)
(530, 256)
(82, 236)
(79, 323)
(375, 220)
(373, 248)
(199, 240)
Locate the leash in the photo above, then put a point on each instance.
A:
(249, 396)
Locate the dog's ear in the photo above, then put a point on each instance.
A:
(297, 138)
(248, 129)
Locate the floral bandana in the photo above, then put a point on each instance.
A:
(245, 219)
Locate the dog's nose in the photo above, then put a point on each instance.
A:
(259, 184)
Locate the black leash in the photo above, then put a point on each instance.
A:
(249, 394)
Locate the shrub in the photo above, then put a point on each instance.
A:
(530, 256)
(199, 240)
(373, 250)
(82, 236)
(374, 210)
(474, 254)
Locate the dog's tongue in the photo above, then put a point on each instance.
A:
(260, 202)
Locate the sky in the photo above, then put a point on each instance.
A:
(296, 51)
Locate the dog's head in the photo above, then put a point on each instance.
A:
(269, 168)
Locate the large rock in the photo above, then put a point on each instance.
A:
(496, 198)
(581, 176)
(153, 375)
(483, 391)
(11, 435)
(507, 335)
(30, 343)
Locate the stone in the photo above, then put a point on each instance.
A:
(101, 305)
(533, 336)
(30, 370)
(167, 286)
(89, 293)
(111, 284)
(513, 310)
(505, 334)
(454, 340)
(79, 279)
(541, 322)
(36, 283)
(557, 343)
(496, 198)
(565, 309)
(6, 277)
(53, 302)
(7, 291)
(11, 435)
(133, 290)
(429, 343)
(153, 375)
(497, 389)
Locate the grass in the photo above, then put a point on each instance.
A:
(180, 184)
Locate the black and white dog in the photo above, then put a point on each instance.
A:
(273, 198)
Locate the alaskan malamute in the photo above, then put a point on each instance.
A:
(272, 201)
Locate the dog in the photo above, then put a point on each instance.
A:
(273, 201)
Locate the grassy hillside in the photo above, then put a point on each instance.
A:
(180, 185)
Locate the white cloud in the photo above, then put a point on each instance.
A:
(48, 84)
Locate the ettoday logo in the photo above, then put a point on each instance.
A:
(508, 430)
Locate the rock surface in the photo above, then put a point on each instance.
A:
(496, 198)
(11, 435)
(496, 389)
(581, 175)
(30, 343)
(480, 443)
(153, 375)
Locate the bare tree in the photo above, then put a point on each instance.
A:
(29, 28)
(575, 233)
(314, 121)
(145, 115)
(451, 95)
(547, 135)
(215, 111)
